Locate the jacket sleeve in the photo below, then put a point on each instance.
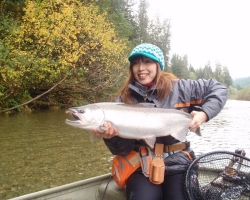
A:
(118, 145)
(210, 95)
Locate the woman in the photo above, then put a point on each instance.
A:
(147, 82)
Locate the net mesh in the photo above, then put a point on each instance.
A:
(219, 175)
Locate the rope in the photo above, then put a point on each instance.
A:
(104, 192)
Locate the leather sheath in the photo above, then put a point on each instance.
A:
(157, 168)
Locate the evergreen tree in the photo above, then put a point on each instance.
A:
(175, 65)
(179, 66)
(207, 71)
(192, 74)
(218, 73)
(227, 78)
(120, 14)
(184, 71)
(200, 73)
(159, 34)
(191, 68)
(143, 21)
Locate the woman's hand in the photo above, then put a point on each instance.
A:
(108, 133)
(199, 117)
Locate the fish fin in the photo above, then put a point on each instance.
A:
(101, 129)
(93, 137)
(198, 131)
(180, 133)
(150, 140)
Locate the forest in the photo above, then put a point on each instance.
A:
(56, 54)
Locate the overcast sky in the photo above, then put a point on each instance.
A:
(209, 30)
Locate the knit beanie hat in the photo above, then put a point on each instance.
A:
(148, 50)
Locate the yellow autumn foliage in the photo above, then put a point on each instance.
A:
(54, 37)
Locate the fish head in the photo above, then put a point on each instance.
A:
(86, 117)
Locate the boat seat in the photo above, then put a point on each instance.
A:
(113, 192)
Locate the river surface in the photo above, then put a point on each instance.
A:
(39, 151)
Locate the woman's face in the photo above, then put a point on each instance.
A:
(144, 70)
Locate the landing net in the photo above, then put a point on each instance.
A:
(219, 175)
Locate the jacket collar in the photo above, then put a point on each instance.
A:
(142, 91)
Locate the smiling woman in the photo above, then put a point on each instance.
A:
(144, 61)
(148, 83)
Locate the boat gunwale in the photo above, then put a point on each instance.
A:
(62, 188)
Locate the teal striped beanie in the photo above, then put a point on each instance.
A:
(150, 51)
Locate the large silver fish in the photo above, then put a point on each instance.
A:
(138, 121)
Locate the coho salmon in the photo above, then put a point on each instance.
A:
(133, 121)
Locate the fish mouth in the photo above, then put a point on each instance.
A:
(73, 114)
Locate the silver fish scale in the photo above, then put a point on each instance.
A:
(133, 121)
(137, 122)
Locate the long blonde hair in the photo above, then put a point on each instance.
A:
(163, 84)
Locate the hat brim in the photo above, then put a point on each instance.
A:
(130, 58)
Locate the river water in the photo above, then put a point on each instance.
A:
(39, 151)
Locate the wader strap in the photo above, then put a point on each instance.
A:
(145, 160)
(159, 149)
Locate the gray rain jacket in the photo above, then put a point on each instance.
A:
(208, 96)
